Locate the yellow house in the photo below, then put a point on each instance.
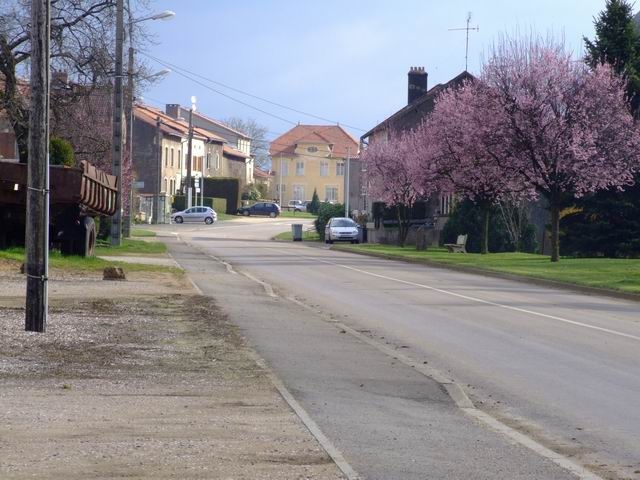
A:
(311, 157)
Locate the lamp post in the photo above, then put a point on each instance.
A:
(117, 143)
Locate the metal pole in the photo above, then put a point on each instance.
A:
(189, 156)
(37, 218)
(347, 186)
(126, 185)
(280, 187)
(116, 165)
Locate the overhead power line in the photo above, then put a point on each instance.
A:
(190, 76)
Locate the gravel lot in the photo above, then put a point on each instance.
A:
(132, 380)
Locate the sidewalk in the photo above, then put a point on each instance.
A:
(132, 380)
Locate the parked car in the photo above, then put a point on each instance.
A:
(260, 208)
(341, 229)
(297, 205)
(195, 214)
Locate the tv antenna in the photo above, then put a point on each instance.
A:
(467, 28)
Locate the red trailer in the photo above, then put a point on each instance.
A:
(78, 194)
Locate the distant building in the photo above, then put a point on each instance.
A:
(238, 143)
(420, 102)
(312, 157)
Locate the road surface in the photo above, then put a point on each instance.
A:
(557, 366)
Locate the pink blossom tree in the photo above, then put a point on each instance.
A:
(463, 139)
(397, 170)
(564, 128)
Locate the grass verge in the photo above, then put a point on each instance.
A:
(621, 275)
(131, 246)
(291, 214)
(307, 236)
(139, 232)
(72, 263)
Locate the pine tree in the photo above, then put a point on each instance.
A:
(617, 43)
(608, 222)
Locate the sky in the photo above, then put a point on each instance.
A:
(345, 61)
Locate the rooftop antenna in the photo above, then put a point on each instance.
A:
(467, 28)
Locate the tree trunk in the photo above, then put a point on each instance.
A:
(484, 240)
(555, 232)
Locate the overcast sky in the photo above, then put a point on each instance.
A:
(343, 60)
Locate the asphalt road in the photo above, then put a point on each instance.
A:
(558, 366)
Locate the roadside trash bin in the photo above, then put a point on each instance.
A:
(362, 234)
(296, 231)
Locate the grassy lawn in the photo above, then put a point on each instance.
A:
(614, 274)
(291, 214)
(139, 232)
(131, 246)
(307, 236)
(77, 264)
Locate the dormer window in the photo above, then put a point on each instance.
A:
(312, 149)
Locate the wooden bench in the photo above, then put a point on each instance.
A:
(459, 246)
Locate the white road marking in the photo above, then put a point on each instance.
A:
(312, 426)
(456, 393)
(478, 300)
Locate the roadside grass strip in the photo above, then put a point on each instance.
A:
(621, 275)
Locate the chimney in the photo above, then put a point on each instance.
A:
(173, 110)
(417, 84)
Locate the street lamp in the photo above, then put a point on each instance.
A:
(116, 150)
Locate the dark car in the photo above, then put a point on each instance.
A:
(270, 209)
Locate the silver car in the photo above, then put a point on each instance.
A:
(341, 229)
(195, 214)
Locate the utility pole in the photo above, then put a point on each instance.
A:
(37, 227)
(126, 185)
(190, 151)
(347, 184)
(116, 148)
(280, 187)
(467, 28)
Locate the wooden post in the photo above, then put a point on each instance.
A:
(37, 225)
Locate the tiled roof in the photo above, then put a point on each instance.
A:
(417, 109)
(227, 150)
(343, 143)
(171, 126)
(259, 173)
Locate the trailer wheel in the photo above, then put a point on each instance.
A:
(84, 242)
(89, 237)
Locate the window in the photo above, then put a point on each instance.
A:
(312, 149)
(166, 156)
(299, 168)
(217, 161)
(208, 160)
(298, 192)
(166, 185)
(179, 159)
(447, 203)
(284, 188)
(340, 168)
(284, 166)
(324, 168)
(331, 194)
(172, 157)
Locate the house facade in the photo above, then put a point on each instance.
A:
(312, 157)
(160, 158)
(8, 144)
(420, 102)
(238, 144)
